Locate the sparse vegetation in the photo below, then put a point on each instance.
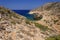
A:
(42, 27)
(55, 21)
(49, 7)
(54, 38)
(27, 22)
(16, 17)
(16, 26)
(13, 22)
(0, 19)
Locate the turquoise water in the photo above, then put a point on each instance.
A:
(24, 13)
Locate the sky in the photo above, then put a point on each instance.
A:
(24, 4)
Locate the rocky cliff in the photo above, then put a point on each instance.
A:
(48, 15)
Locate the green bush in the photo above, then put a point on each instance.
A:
(51, 38)
(42, 27)
(27, 22)
(54, 38)
(58, 37)
(13, 22)
(55, 21)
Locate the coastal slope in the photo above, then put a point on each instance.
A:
(45, 23)
(17, 27)
(49, 16)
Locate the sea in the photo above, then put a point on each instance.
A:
(24, 13)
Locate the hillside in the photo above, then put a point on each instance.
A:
(46, 23)
(17, 27)
(48, 15)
